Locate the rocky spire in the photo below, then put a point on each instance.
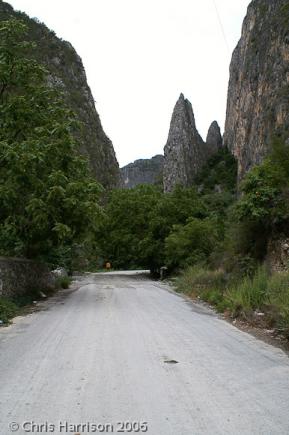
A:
(184, 151)
(214, 139)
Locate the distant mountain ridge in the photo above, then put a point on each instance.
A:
(143, 171)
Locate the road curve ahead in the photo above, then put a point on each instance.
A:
(122, 354)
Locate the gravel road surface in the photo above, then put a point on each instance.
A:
(123, 354)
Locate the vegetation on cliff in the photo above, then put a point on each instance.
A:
(67, 74)
(48, 200)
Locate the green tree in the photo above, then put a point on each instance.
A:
(221, 171)
(262, 211)
(138, 221)
(48, 200)
(126, 224)
(191, 243)
(171, 209)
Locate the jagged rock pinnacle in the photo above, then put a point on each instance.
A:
(183, 147)
(185, 152)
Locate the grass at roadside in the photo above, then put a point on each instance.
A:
(263, 296)
(17, 305)
(8, 309)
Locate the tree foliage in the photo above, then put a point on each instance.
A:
(146, 228)
(262, 211)
(126, 224)
(191, 243)
(220, 171)
(48, 200)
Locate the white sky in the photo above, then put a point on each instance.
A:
(139, 55)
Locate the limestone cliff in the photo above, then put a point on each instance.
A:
(258, 93)
(185, 152)
(67, 72)
(143, 171)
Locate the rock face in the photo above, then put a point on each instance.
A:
(214, 139)
(67, 72)
(143, 171)
(278, 255)
(258, 93)
(185, 152)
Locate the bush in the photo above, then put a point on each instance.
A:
(63, 282)
(262, 210)
(191, 243)
(7, 309)
(220, 170)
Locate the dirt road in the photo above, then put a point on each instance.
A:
(122, 354)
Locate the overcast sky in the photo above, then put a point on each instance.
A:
(139, 55)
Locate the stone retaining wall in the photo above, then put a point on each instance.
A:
(18, 276)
